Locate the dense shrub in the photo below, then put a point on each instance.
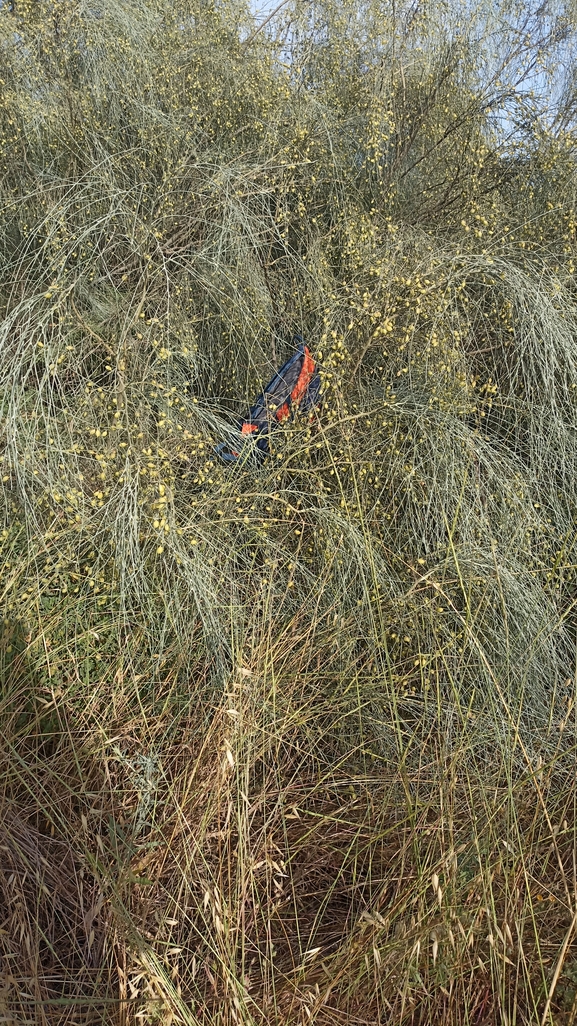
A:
(293, 741)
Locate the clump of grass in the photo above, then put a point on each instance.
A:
(294, 741)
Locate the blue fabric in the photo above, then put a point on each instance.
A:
(273, 397)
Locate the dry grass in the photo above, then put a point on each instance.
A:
(244, 866)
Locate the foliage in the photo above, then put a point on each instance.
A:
(291, 742)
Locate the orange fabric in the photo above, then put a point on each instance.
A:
(283, 412)
(307, 371)
(247, 429)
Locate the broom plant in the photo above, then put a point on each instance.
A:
(289, 741)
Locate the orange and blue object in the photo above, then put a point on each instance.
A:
(296, 386)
